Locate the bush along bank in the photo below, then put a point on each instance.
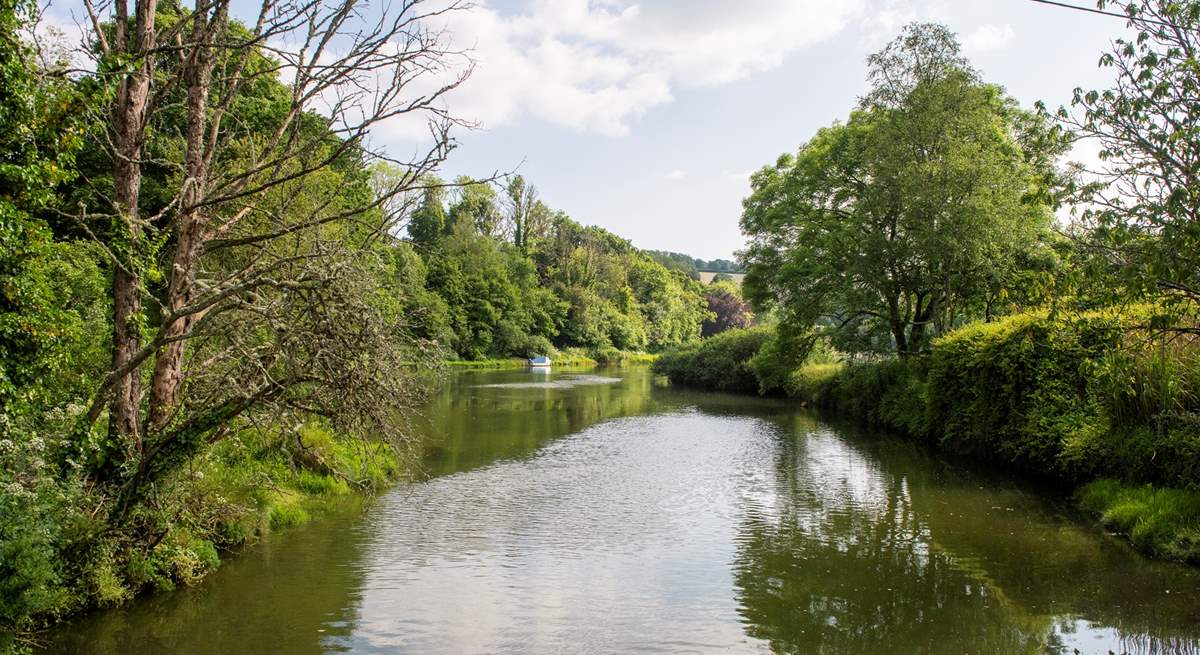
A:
(720, 362)
(58, 560)
(1100, 403)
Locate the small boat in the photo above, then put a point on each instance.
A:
(539, 362)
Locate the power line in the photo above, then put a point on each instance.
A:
(1114, 14)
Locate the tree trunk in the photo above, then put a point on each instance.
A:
(898, 325)
(924, 316)
(168, 365)
(129, 126)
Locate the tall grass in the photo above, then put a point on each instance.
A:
(1161, 522)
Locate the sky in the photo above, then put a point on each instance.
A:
(646, 117)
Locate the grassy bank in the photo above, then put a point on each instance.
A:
(249, 485)
(1095, 402)
(1163, 522)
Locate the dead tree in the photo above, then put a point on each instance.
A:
(257, 310)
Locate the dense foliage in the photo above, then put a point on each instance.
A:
(721, 362)
(51, 309)
(912, 217)
(1139, 206)
(515, 278)
(1071, 398)
(729, 310)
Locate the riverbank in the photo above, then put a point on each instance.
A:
(571, 358)
(1094, 404)
(249, 485)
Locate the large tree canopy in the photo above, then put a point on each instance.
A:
(909, 217)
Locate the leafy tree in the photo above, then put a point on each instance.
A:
(528, 218)
(902, 220)
(475, 208)
(496, 303)
(428, 223)
(247, 242)
(1141, 212)
(729, 310)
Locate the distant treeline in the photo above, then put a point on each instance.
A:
(494, 272)
(690, 265)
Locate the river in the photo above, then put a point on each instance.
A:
(604, 512)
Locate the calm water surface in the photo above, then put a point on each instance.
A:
(603, 513)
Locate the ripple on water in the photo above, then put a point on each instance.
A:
(564, 382)
(725, 526)
(620, 535)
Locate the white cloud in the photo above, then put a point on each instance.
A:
(988, 37)
(675, 175)
(886, 20)
(598, 65)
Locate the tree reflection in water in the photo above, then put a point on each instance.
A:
(871, 546)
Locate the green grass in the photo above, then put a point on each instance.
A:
(481, 364)
(287, 511)
(1162, 522)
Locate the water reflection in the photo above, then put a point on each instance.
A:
(286, 595)
(872, 543)
(546, 382)
(625, 516)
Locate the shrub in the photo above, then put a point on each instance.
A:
(609, 355)
(1017, 389)
(721, 362)
(889, 393)
(811, 383)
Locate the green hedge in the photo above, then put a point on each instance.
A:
(721, 362)
(1069, 398)
(1018, 389)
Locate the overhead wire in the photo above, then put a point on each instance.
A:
(1092, 10)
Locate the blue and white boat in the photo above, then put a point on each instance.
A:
(539, 362)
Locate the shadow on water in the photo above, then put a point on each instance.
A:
(566, 512)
